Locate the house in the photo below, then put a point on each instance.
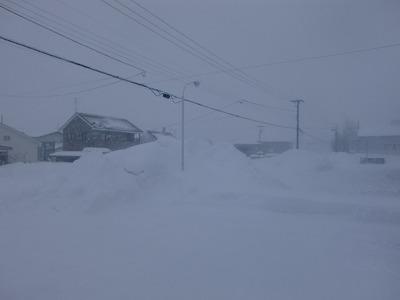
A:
(20, 147)
(49, 143)
(4, 154)
(87, 130)
(262, 149)
(383, 141)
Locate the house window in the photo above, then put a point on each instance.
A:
(6, 138)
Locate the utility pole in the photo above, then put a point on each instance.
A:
(76, 104)
(297, 102)
(335, 139)
(195, 84)
(260, 132)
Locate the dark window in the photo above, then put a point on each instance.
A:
(6, 138)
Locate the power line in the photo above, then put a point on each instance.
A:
(141, 56)
(323, 56)
(182, 44)
(187, 37)
(68, 93)
(103, 43)
(55, 94)
(68, 38)
(203, 115)
(100, 39)
(314, 137)
(266, 106)
(295, 60)
(155, 91)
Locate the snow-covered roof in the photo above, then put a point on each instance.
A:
(59, 133)
(19, 133)
(109, 123)
(98, 122)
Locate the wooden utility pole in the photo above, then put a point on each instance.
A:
(260, 132)
(297, 102)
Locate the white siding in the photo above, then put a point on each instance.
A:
(24, 148)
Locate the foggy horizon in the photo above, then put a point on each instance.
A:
(360, 86)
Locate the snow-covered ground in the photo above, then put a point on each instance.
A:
(130, 225)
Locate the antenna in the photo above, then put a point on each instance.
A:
(76, 104)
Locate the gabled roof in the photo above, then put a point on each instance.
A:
(48, 134)
(19, 133)
(105, 123)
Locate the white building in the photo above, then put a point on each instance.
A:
(377, 141)
(23, 147)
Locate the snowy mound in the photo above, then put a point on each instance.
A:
(127, 175)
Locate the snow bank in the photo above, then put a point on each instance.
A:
(126, 175)
(149, 170)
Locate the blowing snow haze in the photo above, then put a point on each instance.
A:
(360, 86)
(224, 149)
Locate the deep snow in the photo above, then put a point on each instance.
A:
(130, 225)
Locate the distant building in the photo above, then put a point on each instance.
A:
(87, 130)
(49, 143)
(21, 147)
(377, 141)
(262, 149)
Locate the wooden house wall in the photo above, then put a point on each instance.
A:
(78, 135)
(74, 135)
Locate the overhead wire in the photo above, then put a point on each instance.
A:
(202, 116)
(95, 38)
(298, 60)
(113, 28)
(179, 43)
(155, 91)
(67, 93)
(314, 137)
(56, 94)
(266, 106)
(227, 64)
(68, 37)
(69, 23)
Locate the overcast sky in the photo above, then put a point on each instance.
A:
(363, 87)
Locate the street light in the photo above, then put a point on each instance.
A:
(196, 84)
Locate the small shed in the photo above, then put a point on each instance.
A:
(4, 154)
(49, 143)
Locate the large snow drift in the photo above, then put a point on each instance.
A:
(130, 225)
